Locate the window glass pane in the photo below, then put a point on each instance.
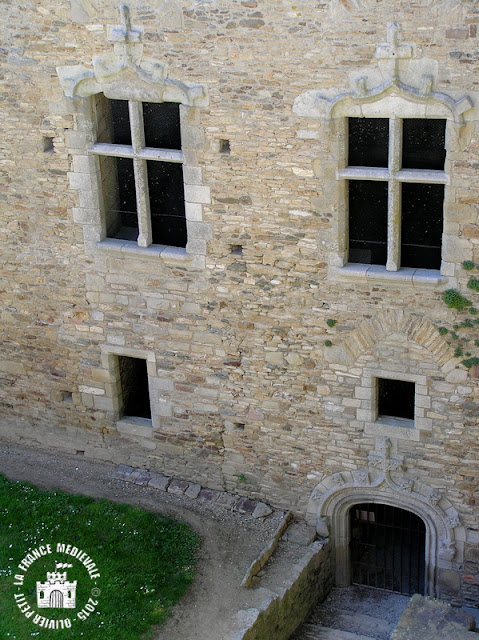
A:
(396, 398)
(120, 118)
(167, 203)
(119, 197)
(423, 144)
(422, 223)
(368, 205)
(368, 142)
(162, 125)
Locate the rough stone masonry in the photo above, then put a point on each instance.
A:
(263, 343)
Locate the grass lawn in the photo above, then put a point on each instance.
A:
(130, 566)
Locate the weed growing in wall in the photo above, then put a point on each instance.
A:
(464, 334)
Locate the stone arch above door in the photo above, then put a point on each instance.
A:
(385, 481)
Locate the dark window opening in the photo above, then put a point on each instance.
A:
(422, 223)
(424, 144)
(225, 146)
(134, 387)
(120, 122)
(388, 548)
(368, 142)
(119, 197)
(162, 125)
(396, 398)
(48, 145)
(368, 211)
(167, 203)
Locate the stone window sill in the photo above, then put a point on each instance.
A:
(154, 251)
(374, 272)
(393, 427)
(133, 426)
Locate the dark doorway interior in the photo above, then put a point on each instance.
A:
(387, 548)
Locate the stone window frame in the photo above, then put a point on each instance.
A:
(400, 428)
(394, 175)
(395, 104)
(125, 75)
(130, 425)
(140, 154)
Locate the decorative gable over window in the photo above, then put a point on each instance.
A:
(140, 187)
(392, 138)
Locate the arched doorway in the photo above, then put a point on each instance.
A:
(387, 548)
(56, 599)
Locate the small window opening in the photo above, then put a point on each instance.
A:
(396, 398)
(134, 387)
(67, 396)
(48, 145)
(225, 146)
(239, 426)
(236, 249)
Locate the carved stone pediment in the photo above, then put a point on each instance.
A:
(124, 75)
(398, 80)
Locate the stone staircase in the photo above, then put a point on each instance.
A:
(354, 613)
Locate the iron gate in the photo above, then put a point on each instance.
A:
(387, 548)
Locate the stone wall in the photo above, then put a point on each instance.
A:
(246, 396)
(281, 613)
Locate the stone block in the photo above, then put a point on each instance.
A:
(193, 491)
(262, 510)
(245, 506)
(139, 477)
(177, 487)
(208, 496)
(159, 482)
(226, 500)
(300, 533)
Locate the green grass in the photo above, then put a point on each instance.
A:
(145, 563)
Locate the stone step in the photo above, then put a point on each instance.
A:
(318, 632)
(355, 622)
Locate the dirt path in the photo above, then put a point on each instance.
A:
(230, 540)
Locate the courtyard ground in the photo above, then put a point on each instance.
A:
(230, 540)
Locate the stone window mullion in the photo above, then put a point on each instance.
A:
(394, 195)
(145, 235)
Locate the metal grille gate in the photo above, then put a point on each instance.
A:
(387, 548)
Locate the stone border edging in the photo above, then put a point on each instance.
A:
(266, 553)
(281, 612)
(191, 490)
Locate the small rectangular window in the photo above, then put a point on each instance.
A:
(396, 398)
(135, 394)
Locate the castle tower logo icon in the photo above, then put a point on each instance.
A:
(57, 592)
